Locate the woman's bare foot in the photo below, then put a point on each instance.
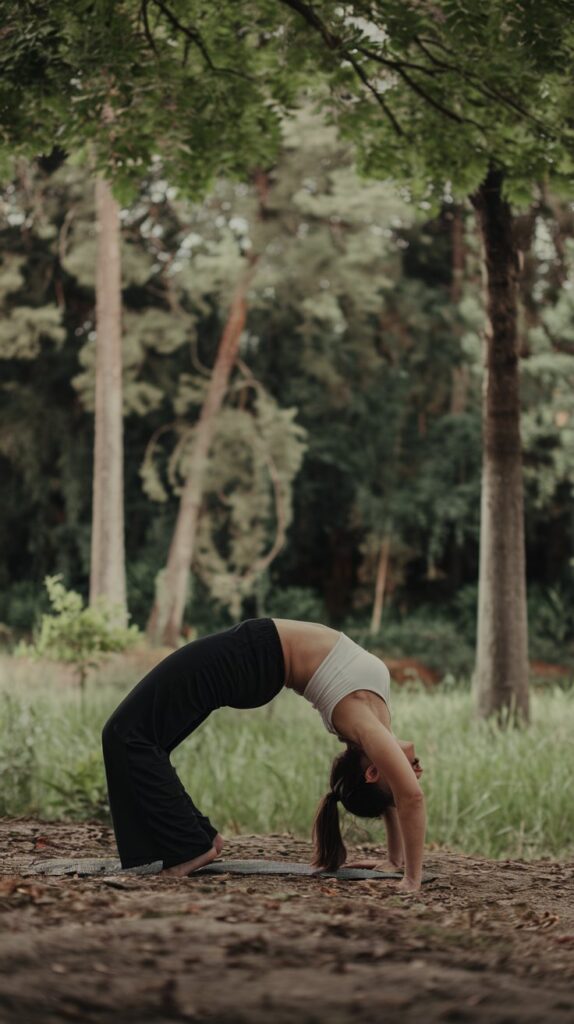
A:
(181, 870)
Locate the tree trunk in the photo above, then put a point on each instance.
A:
(107, 577)
(166, 618)
(501, 674)
(460, 374)
(380, 584)
(458, 250)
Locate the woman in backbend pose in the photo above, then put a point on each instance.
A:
(244, 667)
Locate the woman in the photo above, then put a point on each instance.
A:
(244, 667)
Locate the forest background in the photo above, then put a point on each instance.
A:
(363, 328)
(342, 481)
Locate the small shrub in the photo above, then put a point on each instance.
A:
(78, 635)
(551, 624)
(295, 603)
(18, 755)
(21, 604)
(80, 793)
(430, 639)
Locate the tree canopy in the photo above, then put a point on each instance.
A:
(433, 94)
(130, 80)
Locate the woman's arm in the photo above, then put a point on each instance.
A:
(395, 848)
(395, 858)
(357, 723)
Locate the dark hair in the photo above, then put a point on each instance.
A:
(365, 799)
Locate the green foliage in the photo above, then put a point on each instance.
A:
(255, 455)
(427, 635)
(24, 327)
(431, 95)
(80, 792)
(22, 331)
(371, 372)
(294, 603)
(20, 606)
(11, 278)
(550, 624)
(80, 260)
(19, 726)
(444, 494)
(78, 635)
(548, 375)
(125, 89)
(50, 757)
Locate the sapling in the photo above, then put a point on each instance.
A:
(77, 634)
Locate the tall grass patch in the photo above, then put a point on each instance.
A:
(500, 794)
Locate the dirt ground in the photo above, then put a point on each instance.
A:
(485, 942)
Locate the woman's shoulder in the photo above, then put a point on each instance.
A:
(360, 706)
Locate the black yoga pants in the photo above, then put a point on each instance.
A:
(153, 816)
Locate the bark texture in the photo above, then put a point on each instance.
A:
(460, 374)
(501, 676)
(107, 577)
(166, 618)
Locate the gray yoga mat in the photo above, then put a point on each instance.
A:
(285, 867)
(92, 866)
(89, 866)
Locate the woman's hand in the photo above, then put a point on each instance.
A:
(396, 772)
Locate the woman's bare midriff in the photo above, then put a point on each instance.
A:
(305, 645)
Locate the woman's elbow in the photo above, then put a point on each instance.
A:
(411, 799)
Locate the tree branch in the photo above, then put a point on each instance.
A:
(383, 105)
(484, 90)
(194, 38)
(335, 43)
(313, 19)
(146, 25)
(399, 67)
(191, 33)
(396, 64)
(558, 344)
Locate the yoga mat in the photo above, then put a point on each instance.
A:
(92, 866)
(89, 866)
(286, 867)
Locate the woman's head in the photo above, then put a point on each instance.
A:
(350, 775)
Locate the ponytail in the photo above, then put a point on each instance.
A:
(329, 850)
(365, 799)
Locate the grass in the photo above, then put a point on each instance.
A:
(499, 794)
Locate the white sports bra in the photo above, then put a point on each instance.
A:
(346, 669)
